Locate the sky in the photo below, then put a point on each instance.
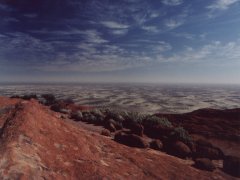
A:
(163, 41)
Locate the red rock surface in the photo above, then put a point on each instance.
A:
(36, 143)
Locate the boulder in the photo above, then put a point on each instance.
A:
(106, 132)
(210, 152)
(231, 165)
(179, 149)
(157, 145)
(131, 140)
(204, 164)
(77, 116)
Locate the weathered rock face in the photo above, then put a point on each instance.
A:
(204, 164)
(35, 143)
(179, 149)
(156, 144)
(106, 132)
(207, 150)
(131, 140)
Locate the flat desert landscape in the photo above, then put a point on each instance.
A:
(145, 98)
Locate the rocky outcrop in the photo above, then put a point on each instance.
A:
(106, 132)
(178, 149)
(131, 140)
(36, 143)
(207, 150)
(157, 145)
(204, 164)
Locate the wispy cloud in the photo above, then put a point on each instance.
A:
(172, 23)
(4, 7)
(114, 25)
(30, 15)
(119, 31)
(151, 29)
(221, 4)
(213, 53)
(172, 2)
(94, 36)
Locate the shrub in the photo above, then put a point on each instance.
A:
(49, 99)
(115, 115)
(68, 101)
(155, 121)
(134, 117)
(29, 96)
(179, 133)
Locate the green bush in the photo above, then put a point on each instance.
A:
(134, 117)
(181, 134)
(154, 121)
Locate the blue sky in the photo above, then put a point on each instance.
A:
(168, 41)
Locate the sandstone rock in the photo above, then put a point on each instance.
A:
(179, 149)
(156, 144)
(36, 144)
(106, 132)
(204, 164)
(231, 165)
(208, 152)
(77, 116)
(131, 140)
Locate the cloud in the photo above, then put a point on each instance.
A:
(10, 19)
(154, 14)
(161, 46)
(177, 20)
(119, 31)
(151, 29)
(212, 53)
(30, 15)
(172, 23)
(93, 36)
(5, 8)
(90, 35)
(114, 25)
(172, 2)
(222, 4)
(116, 28)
